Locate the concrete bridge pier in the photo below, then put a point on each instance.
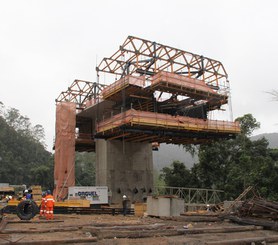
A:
(126, 168)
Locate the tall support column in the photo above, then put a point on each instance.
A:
(64, 168)
(126, 168)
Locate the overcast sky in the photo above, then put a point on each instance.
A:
(46, 45)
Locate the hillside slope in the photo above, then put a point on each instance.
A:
(23, 160)
(271, 137)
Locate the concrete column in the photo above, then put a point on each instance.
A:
(126, 168)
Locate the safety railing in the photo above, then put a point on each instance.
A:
(183, 82)
(153, 119)
(122, 83)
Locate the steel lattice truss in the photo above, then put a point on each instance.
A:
(192, 195)
(143, 57)
(80, 91)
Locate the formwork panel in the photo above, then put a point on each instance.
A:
(130, 83)
(183, 85)
(64, 157)
(159, 120)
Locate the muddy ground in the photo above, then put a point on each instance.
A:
(107, 229)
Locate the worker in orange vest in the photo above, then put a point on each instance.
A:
(49, 204)
(43, 207)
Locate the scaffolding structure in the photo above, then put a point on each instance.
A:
(140, 56)
(159, 94)
(163, 95)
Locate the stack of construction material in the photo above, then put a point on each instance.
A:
(140, 209)
(37, 192)
(259, 207)
(256, 211)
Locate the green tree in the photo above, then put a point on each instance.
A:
(232, 165)
(18, 122)
(38, 134)
(85, 168)
(248, 124)
(23, 158)
(177, 175)
(158, 181)
(43, 175)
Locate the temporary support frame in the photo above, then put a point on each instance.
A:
(143, 57)
(147, 67)
(80, 91)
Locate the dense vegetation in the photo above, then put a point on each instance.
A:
(85, 169)
(24, 159)
(231, 165)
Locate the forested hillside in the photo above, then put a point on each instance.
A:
(23, 157)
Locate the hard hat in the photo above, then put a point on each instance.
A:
(10, 197)
(124, 196)
(25, 191)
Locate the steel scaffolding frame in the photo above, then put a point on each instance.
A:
(80, 91)
(150, 71)
(143, 57)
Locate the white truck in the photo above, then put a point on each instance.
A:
(95, 194)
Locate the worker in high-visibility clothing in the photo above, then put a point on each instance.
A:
(43, 207)
(49, 204)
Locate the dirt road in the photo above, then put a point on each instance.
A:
(108, 229)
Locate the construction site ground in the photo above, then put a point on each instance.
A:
(118, 229)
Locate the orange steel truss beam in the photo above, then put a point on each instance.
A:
(79, 92)
(118, 136)
(144, 57)
(142, 138)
